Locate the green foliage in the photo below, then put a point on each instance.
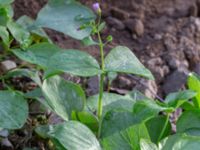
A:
(109, 100)
(106, 121)
(184, 123)
(13, 110)
(37, 34)
(180, 142)
(63, 97)
(38, 54)
(71, 135)
(194, 84)
(20, 34)
(6, 2)
(127, 139)
(74, 62)
(155, 126)
(177, 99)
(126, 63)
(66, 16)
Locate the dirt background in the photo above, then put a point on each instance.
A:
(164, 34)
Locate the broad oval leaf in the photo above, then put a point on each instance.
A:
(32, 74)
(13, 110)
(127, 139)
(178, 98)
(147, 109)
(155, 127)
(121, 59)
(37, 54)
(92, 102)
(4, 16)
(108, 101)
(180, 142)
(37, 34)
(72, 135)
(87, 118)
(4, 34)
(116, 120)
(188, 120)
(75, 62)
(20, 34)
(194, 84)
(66, 16)
(147, 145)
(63, 96)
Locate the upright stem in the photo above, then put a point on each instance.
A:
(164, 127)
(101, 86)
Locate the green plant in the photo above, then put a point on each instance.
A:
(105, 121)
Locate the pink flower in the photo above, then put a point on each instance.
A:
(96, 7)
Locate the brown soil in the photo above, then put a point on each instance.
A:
(163, 34)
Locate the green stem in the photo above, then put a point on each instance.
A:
(101, 86)
(164, 128)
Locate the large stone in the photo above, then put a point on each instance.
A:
(124, 82)
(116, 23)
(6, 144)
(135, 26)
(8, 65)
(157, 67)
(93, 85)
(175, 81)
(119, 13)
(147, 87)
(197, 68)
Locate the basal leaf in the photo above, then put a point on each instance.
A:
(115, 121)
(38, 34)
(63, 96)
(20, 34)
(32, 74)
(180, 142)
(188, 120)
(194, 84)
(4, 16)
(13, 110)
(147, 109)
(72, 135)
(37, 54)
(4, 35)
(127, 139)
(87, 118)
(121, 59)
(155, 127)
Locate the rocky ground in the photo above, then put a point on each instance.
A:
(164, 34)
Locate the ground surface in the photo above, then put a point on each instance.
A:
(164, 34)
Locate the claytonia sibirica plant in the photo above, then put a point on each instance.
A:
(106, 121)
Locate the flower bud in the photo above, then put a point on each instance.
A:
(96, 8)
